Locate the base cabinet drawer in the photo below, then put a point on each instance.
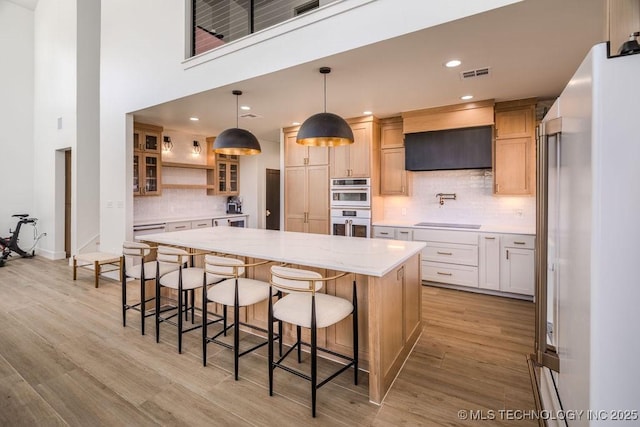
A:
(178, 226)
(451, 253)
(384, 232)
(450, 273)
(201, 224)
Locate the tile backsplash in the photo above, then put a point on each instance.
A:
(178, 204)
(474, 204)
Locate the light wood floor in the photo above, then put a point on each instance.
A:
(65, 359)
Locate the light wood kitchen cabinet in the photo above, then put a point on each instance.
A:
(147, 137)
(224, 172)
(517, 263)
(301, 155)
(489, 262)
(355, 160)
(393, 176)
(307, 199)
(147, 161)
(514, 150)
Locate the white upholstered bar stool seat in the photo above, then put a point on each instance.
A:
(185, 280)
(251, 292)
(295, 308)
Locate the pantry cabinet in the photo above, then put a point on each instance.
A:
(301, 155)
(514, 150)
(306, 199)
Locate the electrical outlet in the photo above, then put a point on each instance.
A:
(519, 212)
(404, 211)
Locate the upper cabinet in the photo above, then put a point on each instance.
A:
(356, 160)
(147, 161)
(393, 176)
(301, 155)
(225, 173)
(147, 138)
(514, 150)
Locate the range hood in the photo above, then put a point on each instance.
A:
(465, 148)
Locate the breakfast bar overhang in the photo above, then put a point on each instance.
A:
(387, 273)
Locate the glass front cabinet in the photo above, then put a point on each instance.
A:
(228, 177)
(147, 160)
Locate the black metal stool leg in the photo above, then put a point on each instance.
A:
(355, 334)
(204, 324)
(298, 341)
(314, 357)
(143, 303)
(124, 296)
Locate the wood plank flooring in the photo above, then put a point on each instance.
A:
(65, 359)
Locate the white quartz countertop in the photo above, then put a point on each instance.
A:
(165, 220)
(484, 228)
(371, 257)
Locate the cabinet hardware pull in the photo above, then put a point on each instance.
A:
(402, 189)
(403, 232)
(490, 238)
(519, 243)
(180, 226)
(384, 234)
(507, 253)
(444, 253)
(444, 274)
(400, 273)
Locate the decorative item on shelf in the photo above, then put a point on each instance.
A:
(631, 46)
(325, 129)
(236, 141)
(167, 145)
(197, 149)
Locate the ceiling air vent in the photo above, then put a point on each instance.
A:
(480, 72)
(250, 116)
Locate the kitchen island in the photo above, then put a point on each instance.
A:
(387, 273)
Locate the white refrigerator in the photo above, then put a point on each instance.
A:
(594, 240)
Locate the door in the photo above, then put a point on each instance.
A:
(67, 203)
(272, 203)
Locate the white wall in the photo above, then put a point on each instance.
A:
(16, 113)
(474, 204)
(143, 46)
(253, 181)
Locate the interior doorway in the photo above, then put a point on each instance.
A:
(272, 210)
(67, 203)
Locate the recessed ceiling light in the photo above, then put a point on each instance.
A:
(367, 112)
(453, 63)
(245, 107)
(194, 119)
(466, 97)
(295, 123)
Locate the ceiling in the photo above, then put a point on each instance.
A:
(532, 49)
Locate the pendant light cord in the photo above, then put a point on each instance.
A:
(325, 93)
(237, 119)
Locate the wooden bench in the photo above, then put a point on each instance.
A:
(96, 260)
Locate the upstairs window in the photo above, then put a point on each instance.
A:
(216, 22)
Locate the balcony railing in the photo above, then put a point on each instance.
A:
(217, 22)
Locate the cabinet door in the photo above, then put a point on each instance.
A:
(517, 271)
(489, 268)
(360, 151)
(317, 197)
(393, 177)
(340, 167)
(222, 177)
(514, 159)
(515, 123)
(294, 153)
(151, 174)
(137, 188)
(151, 142)
(391, 135)
(233, 179)
(317, 156)
(295, 198)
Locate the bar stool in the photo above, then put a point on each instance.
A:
(236, 292)
(142, 271)
(305, 307)
(183, 279)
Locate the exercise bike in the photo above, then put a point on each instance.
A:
(10, 244)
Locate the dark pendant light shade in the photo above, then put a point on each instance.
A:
(236, 141)
(325, 129)
(631, 46)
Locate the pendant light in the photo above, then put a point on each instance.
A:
(325, 129)
(236, 141)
